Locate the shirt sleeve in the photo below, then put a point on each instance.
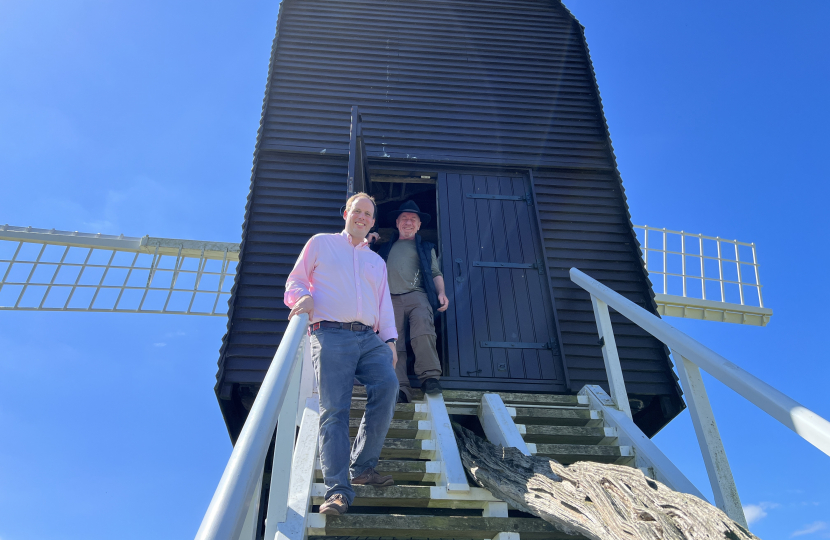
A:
(386, 314)
(436, 270)
(298, 283)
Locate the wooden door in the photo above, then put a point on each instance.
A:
(501, 330)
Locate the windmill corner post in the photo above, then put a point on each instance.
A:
(488, 116)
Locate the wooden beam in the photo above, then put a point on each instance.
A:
(452, 471)
(405, 179)
(498, 424)
(598, 501)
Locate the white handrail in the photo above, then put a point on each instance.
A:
(806, 423)
(236, 491)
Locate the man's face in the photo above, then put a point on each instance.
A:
(360, 218)
(408, 224)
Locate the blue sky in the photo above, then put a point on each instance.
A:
(140, 118)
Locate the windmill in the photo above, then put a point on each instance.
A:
(183, 283)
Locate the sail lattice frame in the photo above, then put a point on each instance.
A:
(49, 270)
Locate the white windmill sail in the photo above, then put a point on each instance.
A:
(49, 270)
(694, 276)
(703, 277)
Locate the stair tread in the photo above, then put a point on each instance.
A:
(566, 434)
(600, 450)
(403, 411)
(406, 448)
(411, 496)
(402, 471)
(429, 527)
(557, 417)
(474, 396)
(571, 453)
(398, 429)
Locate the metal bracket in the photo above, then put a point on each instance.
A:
(528, 198)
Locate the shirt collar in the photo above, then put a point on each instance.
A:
(346, 236)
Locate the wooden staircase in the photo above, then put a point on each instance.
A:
(419, 506)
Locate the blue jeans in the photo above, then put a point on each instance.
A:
(339, 357)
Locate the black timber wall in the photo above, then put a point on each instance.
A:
(504, 84)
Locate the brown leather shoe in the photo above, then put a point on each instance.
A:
(334, 505)
(370, 477)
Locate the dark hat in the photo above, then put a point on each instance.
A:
(410, 206)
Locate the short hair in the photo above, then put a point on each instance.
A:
(362, 195)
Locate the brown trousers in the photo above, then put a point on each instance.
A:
(412, 310)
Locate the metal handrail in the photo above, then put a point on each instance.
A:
(691, 355)
(806, 423)
(229, 506)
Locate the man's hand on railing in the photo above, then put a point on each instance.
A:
(303, 305)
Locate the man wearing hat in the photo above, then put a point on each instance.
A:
(417, 288)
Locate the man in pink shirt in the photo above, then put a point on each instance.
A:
(342, 286)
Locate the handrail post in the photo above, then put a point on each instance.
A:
(226, 512)
(302, 477)
(708, 436)
(284, 445)
(610, 356)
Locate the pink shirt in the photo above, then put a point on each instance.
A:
(347, 283)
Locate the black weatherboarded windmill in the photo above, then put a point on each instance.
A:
(487, 114)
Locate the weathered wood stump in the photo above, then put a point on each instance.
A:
(596, 500)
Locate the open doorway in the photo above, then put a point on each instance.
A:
(395, 190)
(390, 191)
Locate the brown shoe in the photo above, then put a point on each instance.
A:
(334, 505)
(370, 477)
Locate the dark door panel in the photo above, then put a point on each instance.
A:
(500, 323)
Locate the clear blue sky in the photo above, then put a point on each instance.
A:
(140, 118)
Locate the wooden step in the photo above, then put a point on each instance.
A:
(567, 434)
(571, 453)
(403, 411)
(509, 398)
(517, 399)
(411, 496)
(399, 429)
(429, 527)
(558, 417)
(407, 448)
(403, 471)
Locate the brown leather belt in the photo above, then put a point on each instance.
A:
(353, 326)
